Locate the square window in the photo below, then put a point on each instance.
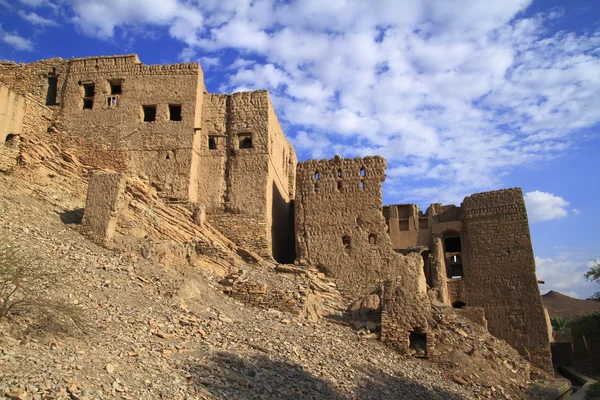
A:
(112, 101)
(245, 141)
(89, 90)
(115, 87)
(175, 112)
(149, 113)
(212, 143)
(88, 104)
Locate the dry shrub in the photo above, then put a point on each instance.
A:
(25, 285)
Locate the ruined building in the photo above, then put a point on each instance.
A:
(226, 155)
(224, 152)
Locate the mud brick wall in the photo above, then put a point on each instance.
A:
(337, 211)
(475, 314)
(340, 226)
(250, 181)
(455, 290)
(405, 309)
(43, 79)
(499, 272)
(259, 295)
(105, 198)
(161, 150)
(244, 230)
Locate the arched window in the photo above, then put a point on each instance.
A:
(339, 172)
(362, 171)
(362, 184)
(339, 185)
(316, 175)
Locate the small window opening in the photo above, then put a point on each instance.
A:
(452, 244)
(175, 112)
(225, 117)
(88, 104)
(362, 184)
(112, 101)
(115, 87)
(245, 125)
(245, 141)
(362, 172)
(403, 224)
(316, 187)
(149, 113)
(339, 185)
(52, 91)
(372, 238)
(423, 223)
(339, 172)
(458, 304)
(170, 155)
(347, 242)
(418, 343)
(89, 90)
(316, 175)
(212, 143)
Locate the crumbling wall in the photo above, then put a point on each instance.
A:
(340, 226)
(406, 309)
(43, 79)
(246, 152)
(499, 271)
(105, 199)
(213, 152)
(108, 102)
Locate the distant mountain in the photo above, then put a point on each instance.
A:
(560, 304)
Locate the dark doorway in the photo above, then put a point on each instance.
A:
(458, 304)
(52, 91)
(418, 343)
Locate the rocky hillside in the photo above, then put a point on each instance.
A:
(559, 304)
(162, 327)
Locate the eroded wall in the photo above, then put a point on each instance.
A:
(108, 119)
(44, 79)
(245, 179)
(499, 271)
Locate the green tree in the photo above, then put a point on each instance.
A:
(594, 275)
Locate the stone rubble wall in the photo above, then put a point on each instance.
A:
(244, 231)
(475, 314)
(499, 272)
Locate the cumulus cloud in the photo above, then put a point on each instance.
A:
(564, 274)
(36, 19)
(16, 41)
(542, 206)
(457, 94)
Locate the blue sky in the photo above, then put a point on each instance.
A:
(459, 96)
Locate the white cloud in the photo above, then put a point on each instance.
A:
(564, 274)
(16, 41)
(35, 19)
(542, 206)
(468, 89)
